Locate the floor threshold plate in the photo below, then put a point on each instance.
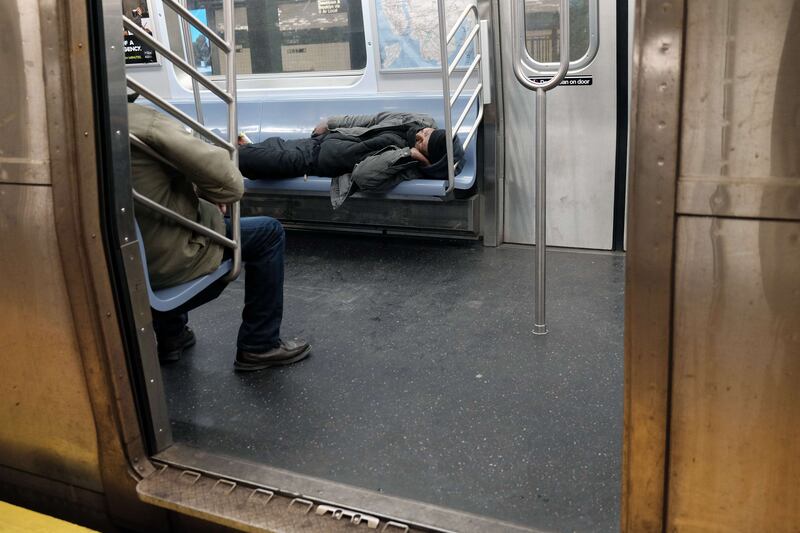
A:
(251, 508)
(256, 497)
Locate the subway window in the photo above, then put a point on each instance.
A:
(543, 35)
(284, 36)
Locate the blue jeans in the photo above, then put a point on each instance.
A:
(263, 245)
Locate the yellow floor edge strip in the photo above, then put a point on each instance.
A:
(15, 519)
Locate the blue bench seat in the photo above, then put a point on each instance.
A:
(296, 117)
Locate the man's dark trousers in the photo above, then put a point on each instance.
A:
(263, 245)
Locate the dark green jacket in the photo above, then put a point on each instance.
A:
(174, 253)
(385, 169)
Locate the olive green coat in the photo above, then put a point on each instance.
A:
(174, 253)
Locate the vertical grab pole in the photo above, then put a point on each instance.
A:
(187, 45)
(448, 119)
(540, 185)
(540, 177)
(233, 129)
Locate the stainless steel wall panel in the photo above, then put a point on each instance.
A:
(736, 52)
(581, 132)
(46, 419)
(23, 147)
(766, 197)
(492, 132)
(735, 404)
(735, 395)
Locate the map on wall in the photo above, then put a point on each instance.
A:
(408, 33)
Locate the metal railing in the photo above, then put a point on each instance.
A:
(473, 38)
(227, 45)
(521, 62)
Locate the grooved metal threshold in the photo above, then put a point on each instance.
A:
(256, 497)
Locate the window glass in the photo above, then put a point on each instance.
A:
(275, 36)
(542, 29)
(408, 33)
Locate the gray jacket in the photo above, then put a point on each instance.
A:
(388, 167)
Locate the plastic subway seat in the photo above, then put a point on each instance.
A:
(171, 298)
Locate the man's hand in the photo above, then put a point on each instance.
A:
(321, 129)
(223, 208)
(419, 156)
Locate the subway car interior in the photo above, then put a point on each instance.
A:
(426, 380)
(511, 345)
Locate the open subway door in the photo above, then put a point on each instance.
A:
(581, 125)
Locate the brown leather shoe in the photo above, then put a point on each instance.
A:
(286, 353)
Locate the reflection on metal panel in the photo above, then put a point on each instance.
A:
(735, 396)
(775, 198)
(23, 148)
(46, 420)
(581, 134)
(742, 69)
(735, 416)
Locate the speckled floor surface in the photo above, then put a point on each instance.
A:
(425, 381)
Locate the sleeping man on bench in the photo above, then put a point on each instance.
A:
(359, 152)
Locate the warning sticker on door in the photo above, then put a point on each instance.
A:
(568, 81)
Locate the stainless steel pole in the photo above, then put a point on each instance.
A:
(540, 186)
(522, 67)
(189, 49)
(230, 37)
(233, 129)
(448, 119)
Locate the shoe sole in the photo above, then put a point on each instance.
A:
(251, 367)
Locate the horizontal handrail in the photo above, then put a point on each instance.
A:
(143, 146)
(183, 221)
(180, 115)
(468, 107)
(176, 60)
(460, 20)
(228, 96)
(465, 80)
(463, 50)
(474, 129)
(198, 24)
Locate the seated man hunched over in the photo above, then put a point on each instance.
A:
(175, 254)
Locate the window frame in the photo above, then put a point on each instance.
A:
(351, 75)
(582, 62)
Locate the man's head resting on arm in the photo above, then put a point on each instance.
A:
(431, 144)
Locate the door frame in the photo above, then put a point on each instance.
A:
(652, 185)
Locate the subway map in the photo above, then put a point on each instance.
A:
(409, 32)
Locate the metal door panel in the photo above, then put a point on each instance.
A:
(581, 140)
(735, 401)
(46, 420)
(23, 147)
